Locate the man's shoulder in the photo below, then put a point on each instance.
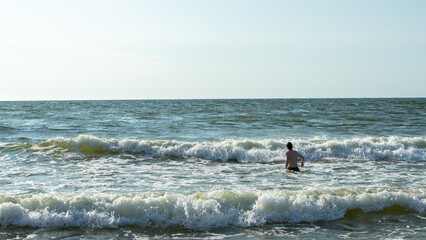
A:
(290, 152)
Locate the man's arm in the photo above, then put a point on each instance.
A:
(302, 164)
(286, 161)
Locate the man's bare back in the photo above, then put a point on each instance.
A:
(291, 158)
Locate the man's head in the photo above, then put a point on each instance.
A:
(289, 146)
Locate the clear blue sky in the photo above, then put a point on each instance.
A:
(211, 49)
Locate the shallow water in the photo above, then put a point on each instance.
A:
(212, 168)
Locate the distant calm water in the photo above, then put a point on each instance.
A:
(213, 168)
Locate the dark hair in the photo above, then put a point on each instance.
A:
(289, 145)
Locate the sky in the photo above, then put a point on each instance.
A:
(186, 49)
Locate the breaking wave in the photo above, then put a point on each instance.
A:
(369, 148)
(200, 211)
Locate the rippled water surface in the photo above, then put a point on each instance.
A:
(213, 168)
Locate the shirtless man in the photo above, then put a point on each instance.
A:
(291, 158)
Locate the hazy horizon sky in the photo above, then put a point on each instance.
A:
(59, 50)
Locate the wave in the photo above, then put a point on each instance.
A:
(200, 211)
(368, 148)
(6, 128)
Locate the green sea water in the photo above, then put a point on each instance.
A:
(190, 169)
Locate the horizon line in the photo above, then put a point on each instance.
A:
(230, 98)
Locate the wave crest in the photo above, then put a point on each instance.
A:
(199, 211)
(368, 148)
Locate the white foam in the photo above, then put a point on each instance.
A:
(369, 148)
(199, 211)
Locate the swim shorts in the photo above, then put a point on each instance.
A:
(293, 169)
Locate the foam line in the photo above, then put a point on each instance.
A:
(199, 211)
(368, 148)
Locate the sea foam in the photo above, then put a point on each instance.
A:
(368, 148)
(199, 211)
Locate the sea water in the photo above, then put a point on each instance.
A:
(213, 169)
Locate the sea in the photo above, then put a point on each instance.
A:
(213, 169)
